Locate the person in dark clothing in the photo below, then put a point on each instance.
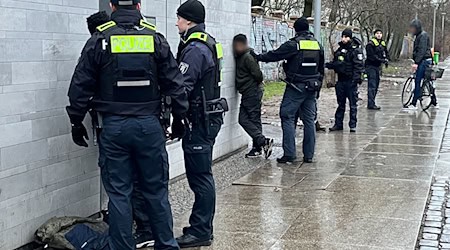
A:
(249, 82)
(123, 70)
(422, 60)
(304, 68)
(377, 55)
(97, 19)
(199, 57)
(143, 235)
(348, 63)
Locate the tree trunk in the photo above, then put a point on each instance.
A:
(334, 10)
(307, 11)
(397, 44)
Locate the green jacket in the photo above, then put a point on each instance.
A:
(248, 74)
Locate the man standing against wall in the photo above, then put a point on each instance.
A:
(304, 68)
(120, 73)
(249, 82)
(199, 57)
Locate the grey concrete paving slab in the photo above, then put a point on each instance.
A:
(406, 133)
(391, 172)
(268, 197)
(292, 244)
(406, 141)
(393, 159)
(380, 187)
(316, 181)
(269, 176)
(402, 149)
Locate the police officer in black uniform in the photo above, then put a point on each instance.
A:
(348, 63)
(122, 70)
(377, 55)
(199, 57)
(304, 68)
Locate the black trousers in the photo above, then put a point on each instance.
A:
(250, 117)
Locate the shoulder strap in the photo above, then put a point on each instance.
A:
(106, 26)
(375, 42)
(148, 25)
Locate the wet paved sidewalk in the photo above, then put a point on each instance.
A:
(365, 191)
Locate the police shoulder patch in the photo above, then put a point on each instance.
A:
(184, 67)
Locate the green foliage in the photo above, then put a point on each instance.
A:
(273, 89)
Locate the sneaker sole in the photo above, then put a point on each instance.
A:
(269, 149)
(145, 244)
(251, 156)
(198, 244)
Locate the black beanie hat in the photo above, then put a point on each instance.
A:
(301, 24)
(192, 10)
(125, 2)
(347, 32)
(377, 30)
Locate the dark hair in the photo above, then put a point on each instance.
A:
(240, 38)
(96, 20)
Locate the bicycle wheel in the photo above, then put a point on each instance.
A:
(408, 91)
(425, 99)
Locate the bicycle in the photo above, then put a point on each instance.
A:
(427, 89)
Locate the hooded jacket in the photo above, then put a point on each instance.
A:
(248, 74)
(422, 44)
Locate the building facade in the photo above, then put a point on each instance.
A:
(42, 173)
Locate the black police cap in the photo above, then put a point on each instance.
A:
(125, 2)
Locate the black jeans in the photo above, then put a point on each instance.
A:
(250, 117)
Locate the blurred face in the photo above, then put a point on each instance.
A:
(345, 39)
(183, 25)
(379, 35)
(240, 47)
(412, 30)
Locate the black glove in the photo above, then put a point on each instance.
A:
(178, 129)
(79, 133)
(386, 63)
(329, 65)
(252, 53)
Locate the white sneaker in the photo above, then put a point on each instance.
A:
(410, 108)
(435, 106)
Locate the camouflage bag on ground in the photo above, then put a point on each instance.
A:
(55, 232)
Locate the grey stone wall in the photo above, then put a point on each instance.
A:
(42, 173)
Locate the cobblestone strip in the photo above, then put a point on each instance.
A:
(435, 230)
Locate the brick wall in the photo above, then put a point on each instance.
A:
(42, 173)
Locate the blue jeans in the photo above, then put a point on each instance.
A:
(130, 145)
(305, 104)
(420, 74)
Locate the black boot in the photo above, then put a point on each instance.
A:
(336, 128)
(189, 240)
(286, 160)
(319, 128)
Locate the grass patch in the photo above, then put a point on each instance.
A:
(273, 89)
(391, 70)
